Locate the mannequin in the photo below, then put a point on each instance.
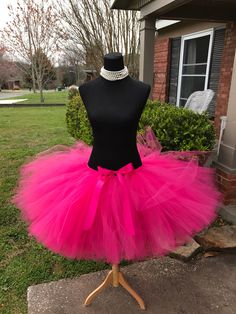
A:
(110, 201)
(117, 105)
(114, 109)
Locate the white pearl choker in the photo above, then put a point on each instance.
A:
(114, 75)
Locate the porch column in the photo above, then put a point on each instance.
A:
(227, 154)
(146, 61)
(226, 162)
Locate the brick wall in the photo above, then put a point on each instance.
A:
(227, 185)
(225, 74)
(226, 181)
(161, 69)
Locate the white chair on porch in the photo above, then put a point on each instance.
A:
(199, 101)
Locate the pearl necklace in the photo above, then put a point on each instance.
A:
(114, 75)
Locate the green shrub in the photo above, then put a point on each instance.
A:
(77, 121)
(72, 92)
(176, 128)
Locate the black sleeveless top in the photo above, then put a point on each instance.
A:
(114, 109)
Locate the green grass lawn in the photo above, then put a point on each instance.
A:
(50, 98)
(23, 261)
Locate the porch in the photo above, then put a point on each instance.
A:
(155, 64)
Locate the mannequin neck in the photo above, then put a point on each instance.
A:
(113, 61)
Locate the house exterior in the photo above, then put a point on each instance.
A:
(187, 58)
(14, 83)
(189, 45)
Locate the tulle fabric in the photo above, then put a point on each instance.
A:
(169, 201)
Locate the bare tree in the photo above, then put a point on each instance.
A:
(96, 30)
(72, 59)
(8, 68)
(32, 29)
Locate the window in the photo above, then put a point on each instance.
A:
(194, 64)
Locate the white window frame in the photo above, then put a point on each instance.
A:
(183, 39)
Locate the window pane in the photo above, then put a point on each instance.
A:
(196, 50)
(194, 69)
(195, 57)
(191, 84)
(182, 102)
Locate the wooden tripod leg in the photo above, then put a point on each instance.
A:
(115, 277)
(104, 284)
(134, 294)
(115, 271)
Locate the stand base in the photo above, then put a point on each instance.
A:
(115, 277)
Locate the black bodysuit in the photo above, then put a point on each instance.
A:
(114, 109)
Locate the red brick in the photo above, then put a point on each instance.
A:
(161, 69)
(230, 202)
(227, 185)
(226, 175)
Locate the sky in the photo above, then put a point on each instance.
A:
(4, 12)
(4, 17)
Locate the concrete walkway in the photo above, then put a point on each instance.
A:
(7, 94)
(11, 94)
(205, 285)
(11, 101)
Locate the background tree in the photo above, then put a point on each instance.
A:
(44, 70)
(73, 64)
(31, 35)
(95, 30)
(8, 68)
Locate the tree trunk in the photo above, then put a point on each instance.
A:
(40, 85)
(41, 96)
(33, 81)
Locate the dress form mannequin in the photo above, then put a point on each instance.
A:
(114, 109)
(113, 215)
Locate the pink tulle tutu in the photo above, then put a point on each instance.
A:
(108, 215)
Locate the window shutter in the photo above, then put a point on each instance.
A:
(174, 69)
(214, 75)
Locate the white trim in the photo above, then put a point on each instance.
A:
(190, 64)
(193, 74)
(209, 58)
(160, 24)
(187, 37)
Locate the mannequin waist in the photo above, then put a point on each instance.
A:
(114, 157)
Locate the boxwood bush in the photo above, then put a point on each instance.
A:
(177, 129)
(72, 92)
(77, 120)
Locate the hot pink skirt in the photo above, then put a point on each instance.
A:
(108, 215)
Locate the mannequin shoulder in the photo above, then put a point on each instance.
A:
(85, 87)
(144, 86)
